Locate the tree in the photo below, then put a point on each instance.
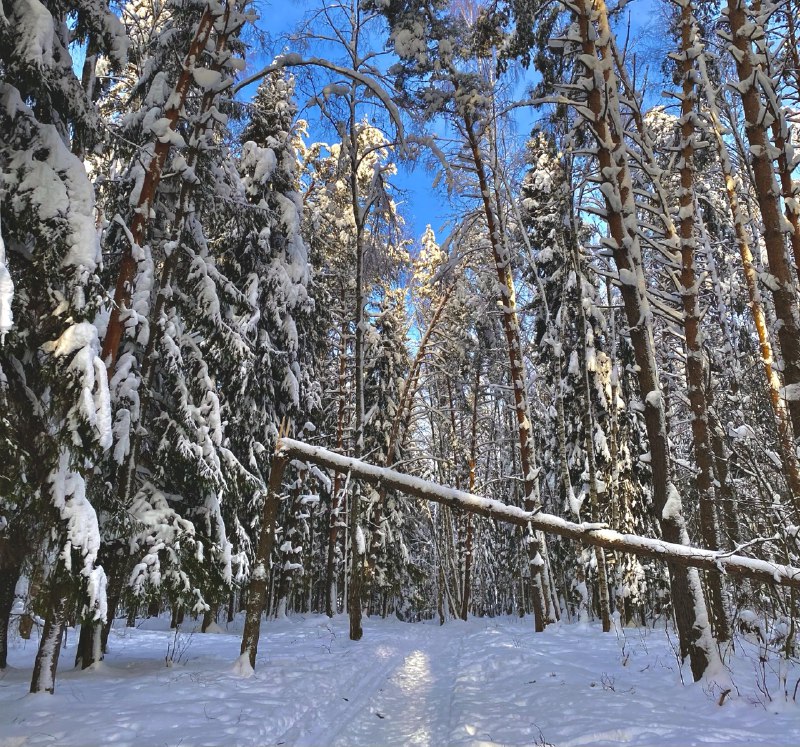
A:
(57, 419)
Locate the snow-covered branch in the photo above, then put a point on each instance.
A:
(590, 533)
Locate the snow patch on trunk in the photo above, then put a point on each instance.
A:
(674, 506)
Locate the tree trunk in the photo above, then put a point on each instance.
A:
(407, 394)
(601, 107)
(530, 471)
(335, 522)
(259, 578)
(780, 411)
(677, 554)
(588, 427)
(9, 575)
(46, 663)
(209, 617)
(152, 178)
(473, 455)
(357, 538)
(694, 365)
(289, 557)
(117, 567)
(750, 69)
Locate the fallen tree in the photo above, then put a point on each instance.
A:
(590, 533)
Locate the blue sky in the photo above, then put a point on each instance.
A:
(420, 203)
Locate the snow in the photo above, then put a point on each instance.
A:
(82, 530)
(481, 682)
(593, 533)
(34, 32)
(653, 398)
(206, 78)
(788, 392)
(55, 187)
(361, 543)
(93, 402)
(673, 507)
(6, 294)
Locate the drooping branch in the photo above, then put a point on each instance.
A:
(591, 533)
(374, 86)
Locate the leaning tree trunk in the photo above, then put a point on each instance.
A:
(677, 554)
(502, 261)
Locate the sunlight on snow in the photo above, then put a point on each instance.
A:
(383, 652)
(415, 672)
(414, 678)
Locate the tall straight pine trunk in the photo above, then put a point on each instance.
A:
(603, 114)
(780, 411)
(689, 289)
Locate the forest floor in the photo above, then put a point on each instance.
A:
(483, 682)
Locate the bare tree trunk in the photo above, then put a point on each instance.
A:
(46, 663)
(695, 369)
(750, 70)
(787, 162)
(519, 378)
(357, 539)
(780, 411)
(602, 107)
(677, 554)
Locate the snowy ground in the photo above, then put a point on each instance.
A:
(485, 682)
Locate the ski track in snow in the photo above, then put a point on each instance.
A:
(414, 703)
(480, 683)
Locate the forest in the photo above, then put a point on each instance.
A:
(234, 382)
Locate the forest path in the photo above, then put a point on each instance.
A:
(481, 683)
(413, 705)
(403, 690)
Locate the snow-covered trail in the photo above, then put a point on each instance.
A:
(484, 682)
(413, 703)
